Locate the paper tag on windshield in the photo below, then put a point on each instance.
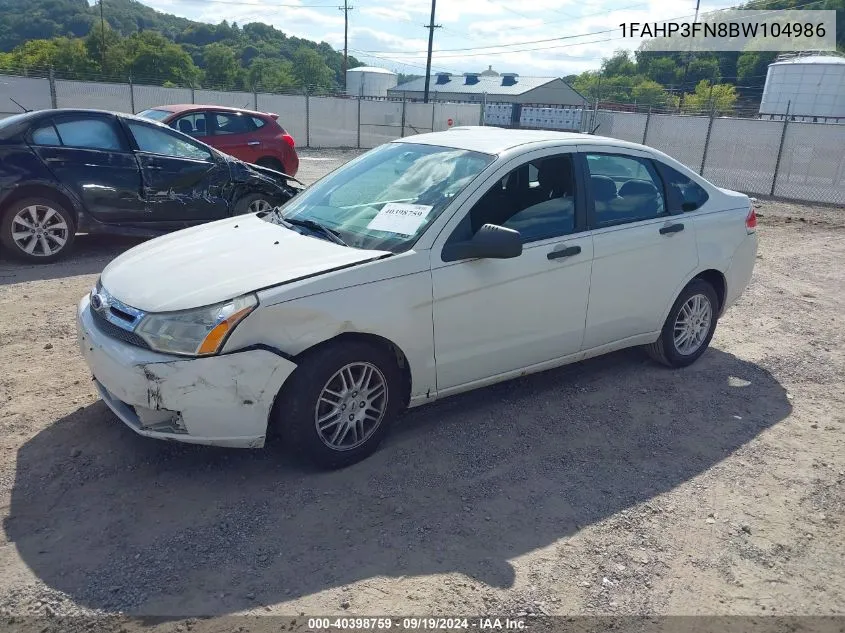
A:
(400, 218)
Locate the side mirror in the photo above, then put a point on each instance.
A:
(490, 242)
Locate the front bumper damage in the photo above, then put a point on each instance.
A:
(222, 400)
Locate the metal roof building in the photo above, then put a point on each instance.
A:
(506, 88)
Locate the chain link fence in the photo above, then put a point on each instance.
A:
(790, 159)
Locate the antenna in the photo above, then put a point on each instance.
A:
(19, 105)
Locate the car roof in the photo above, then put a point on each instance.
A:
(495, 140)
(179, 108)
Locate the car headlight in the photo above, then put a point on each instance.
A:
(198, 332)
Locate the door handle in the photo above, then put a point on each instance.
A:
(569, 251)
(671, 228)
(253, 143)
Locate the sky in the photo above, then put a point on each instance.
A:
(542, 38)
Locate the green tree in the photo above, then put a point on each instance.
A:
(152, 57)
(270, 75)
(651, 93)
(68, 57)
(664, 71)
(310, 70)
(702, 68)
(221, 67)
(751, 69)
(619, 64)
(716, 98)
(115, 51)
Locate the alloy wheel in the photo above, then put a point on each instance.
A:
(692, 324)
(39, 230)
(351, 406)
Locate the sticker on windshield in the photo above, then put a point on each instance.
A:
(400, 218)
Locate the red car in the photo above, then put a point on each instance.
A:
(253, 137)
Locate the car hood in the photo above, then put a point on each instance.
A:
(214, 262)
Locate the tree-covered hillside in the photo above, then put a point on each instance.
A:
(155, 47)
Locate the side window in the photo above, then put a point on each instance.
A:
(232, 123)
(537, 199)
(89, 134)
(625, 188)
(46, 135)
(257, 122)
(682, 192)
(155, 141)
(193, 124)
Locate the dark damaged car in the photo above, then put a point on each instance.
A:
(64, 172)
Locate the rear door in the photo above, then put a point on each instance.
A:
(90, 155)
(643, 253)
(184, 182)
(236, 134)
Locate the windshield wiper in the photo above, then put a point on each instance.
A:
(331, 234)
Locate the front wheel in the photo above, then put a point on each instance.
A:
(254, 203)
(689, 327)
(339, 403)
(37, 230)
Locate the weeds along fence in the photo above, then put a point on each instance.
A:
(790, 159)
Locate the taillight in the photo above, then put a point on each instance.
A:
(751, 220)
(287, 138)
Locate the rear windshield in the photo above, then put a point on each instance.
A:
(155, 115)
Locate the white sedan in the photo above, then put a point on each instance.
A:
(426, 267)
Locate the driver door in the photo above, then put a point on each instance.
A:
(494, 318)
(184, 182)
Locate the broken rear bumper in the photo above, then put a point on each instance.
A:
(217, 400)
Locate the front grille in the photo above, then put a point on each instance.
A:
(114, 331)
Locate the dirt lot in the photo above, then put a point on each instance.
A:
(610, 487)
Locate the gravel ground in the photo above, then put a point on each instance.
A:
(613, 486)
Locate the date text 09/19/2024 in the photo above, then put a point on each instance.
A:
(417, 624)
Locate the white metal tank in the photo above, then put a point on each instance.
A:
(811, 86)
(366, 81)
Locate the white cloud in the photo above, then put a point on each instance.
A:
(395, 33)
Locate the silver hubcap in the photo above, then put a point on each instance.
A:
(257, 206)
(39, 230)
(351, 406)
(692, 324)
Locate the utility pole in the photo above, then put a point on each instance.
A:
(346, 9)
(689, 59)
(430, 26)
(102, 38)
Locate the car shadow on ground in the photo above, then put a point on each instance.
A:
(120, 522)
(89, 255)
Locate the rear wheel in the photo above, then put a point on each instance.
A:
(254, 203)
(339, 403)
(689, 327)
(37, 230)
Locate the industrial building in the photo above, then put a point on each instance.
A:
(367, 81)
(811, 87)
(483, 87)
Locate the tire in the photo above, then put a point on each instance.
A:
(46, 221)
(253, 203)
(303, 402)
(271, 163)
(666, 349)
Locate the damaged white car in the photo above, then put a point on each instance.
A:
(426, 267)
